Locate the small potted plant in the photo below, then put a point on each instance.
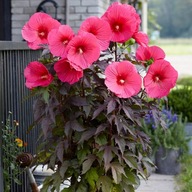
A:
(168, 140)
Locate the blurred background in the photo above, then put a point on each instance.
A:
(170, 27)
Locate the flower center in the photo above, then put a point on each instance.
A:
(117, 27)
(44, 77)
(42, 34)
(121, 81)
(65, 41)
(80, 50)
(157, 79)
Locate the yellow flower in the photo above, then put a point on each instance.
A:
(19, 142)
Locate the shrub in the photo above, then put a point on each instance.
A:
(185, 81)
(179, 100)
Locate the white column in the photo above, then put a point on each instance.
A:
(144, 15)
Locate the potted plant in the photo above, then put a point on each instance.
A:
(91, 99)
(168, 140)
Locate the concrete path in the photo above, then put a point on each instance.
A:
(182, 63)
(158, 183)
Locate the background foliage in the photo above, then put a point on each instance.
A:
(173, 16)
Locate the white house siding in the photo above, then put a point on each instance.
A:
(72, 12)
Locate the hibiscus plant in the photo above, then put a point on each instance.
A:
(92, 93)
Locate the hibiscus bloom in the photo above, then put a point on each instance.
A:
(83, 50)
(36, 30)
(160, 79)
(141, 38)
(36, 74)
(149, 54)
(123, 21)
(66, 72)
(58, 40)
(99, 28)
(122, 79)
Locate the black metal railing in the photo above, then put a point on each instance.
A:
(14, 57)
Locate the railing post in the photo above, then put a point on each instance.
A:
(1, 119)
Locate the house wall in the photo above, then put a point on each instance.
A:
(71, 12)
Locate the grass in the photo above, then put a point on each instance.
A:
(184, 178)
(175, 46)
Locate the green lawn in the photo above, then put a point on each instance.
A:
(175, 46)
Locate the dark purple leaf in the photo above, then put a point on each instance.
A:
(121, 143)
(111, 106)
(79, 101)
(88, 163)
(129, 112)
(87, 135)
(118, 123)
(101, 128)
(38, 108)
(60, 151)
(98, 111)
(107, 156)
(64, 89)
(46, 126)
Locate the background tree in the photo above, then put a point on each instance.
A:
(173, 16)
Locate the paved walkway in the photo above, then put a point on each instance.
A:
(182, 63)
(158, 183)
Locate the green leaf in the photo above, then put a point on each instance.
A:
(101, 139)
(130, 161)
(17, 181)
(45, 95)
(117, 171)
(69, 189)
(105, 183)
(82, 154)
(56, 181)
(131, 178)
(63, 168)
(116, 188)
(92, 177)
(81, 188)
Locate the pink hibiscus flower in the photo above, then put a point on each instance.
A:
(66, 72)
(160, 79)
(83, 50)
(98, 27)
(141, 38)
(36, 30)
(123, 21)
(149, 54)
(58, 40)
(122, 79)
(36, 74)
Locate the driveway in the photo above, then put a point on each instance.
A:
(182, 63)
